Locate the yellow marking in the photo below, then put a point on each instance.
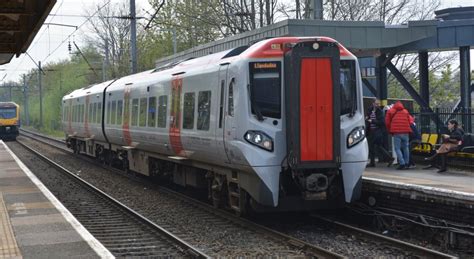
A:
(8, 246)
(17, 189)
(32, 205)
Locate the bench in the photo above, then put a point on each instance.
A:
(426, 145)
(465, 150)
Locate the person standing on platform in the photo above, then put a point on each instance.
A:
(397, 121)
(414, 139)
(375, 134)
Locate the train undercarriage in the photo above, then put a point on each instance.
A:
(299, 191)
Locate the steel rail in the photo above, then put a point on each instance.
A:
(316, 251)
(421, 251)
(186, 247)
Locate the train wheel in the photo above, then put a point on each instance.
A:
(239, 200)
(218, 192)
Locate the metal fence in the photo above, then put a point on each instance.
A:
(436, 120)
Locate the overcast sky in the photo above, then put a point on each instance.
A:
(50, 44)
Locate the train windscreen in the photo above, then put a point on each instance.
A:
(265, 89)
(348, 87)
(7, 113)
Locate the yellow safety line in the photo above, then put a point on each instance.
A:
(8, 245)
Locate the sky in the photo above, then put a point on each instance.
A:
(51, 42)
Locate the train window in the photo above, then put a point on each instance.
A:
(119, 112)
(109, 111)
(221, 105)
(134, 112)
(143, 109)
(162, 110)
(152, 112)
(81, 113)
(204, 110)
(348, 87)
(113, 113)
(99, 113)
(188, 112)
(89, 113)
(94, 113)
(265, 89)
(230, 101)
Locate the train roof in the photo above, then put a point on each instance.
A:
(268, 48)
(8, 105)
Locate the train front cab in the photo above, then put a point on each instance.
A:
(9, 121)
(326, 150)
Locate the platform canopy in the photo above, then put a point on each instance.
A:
(20, 21)
(365, 39)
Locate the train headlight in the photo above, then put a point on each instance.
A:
(356, 136)
(259, 139)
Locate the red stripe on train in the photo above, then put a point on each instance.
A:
(127, 137)
(175, 112)
(86, 120)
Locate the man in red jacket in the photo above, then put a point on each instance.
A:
(397, 121)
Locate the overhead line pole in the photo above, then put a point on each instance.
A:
(25, 101)
(40, 94)
(133, 37)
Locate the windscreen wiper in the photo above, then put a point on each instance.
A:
(255, 107)
(354, 101)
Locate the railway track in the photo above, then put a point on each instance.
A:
(121, 230)
(222, 218)
(414, 250)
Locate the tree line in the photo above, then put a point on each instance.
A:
(177, 25)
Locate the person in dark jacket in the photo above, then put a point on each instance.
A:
(375, 134)
(414, 139)
(397, 121)
(451, 143)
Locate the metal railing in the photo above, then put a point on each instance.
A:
(426, 123)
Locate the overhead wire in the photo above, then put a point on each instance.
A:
(78, 27)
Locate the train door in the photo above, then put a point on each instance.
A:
(221, 113)
(312, 105)
(229, 121)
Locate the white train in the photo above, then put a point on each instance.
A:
(277, 125)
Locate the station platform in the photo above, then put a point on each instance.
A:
(451, 193)
(33, 223)
(451, 181)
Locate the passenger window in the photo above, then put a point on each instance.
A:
(114, 112)
(152, 112)
(81, 113)
(230, 107)
(109, 112)
(119, 112)
(162, 110)
(221, 104)
(188, 112)
(204, 110)
(134, 112)
(89, 113)
(142, 112)
(99, 113)
(94, 113)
